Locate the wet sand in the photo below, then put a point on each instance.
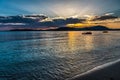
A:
(109, 71)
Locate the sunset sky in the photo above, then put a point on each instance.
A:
(64, 8)
(62, 13)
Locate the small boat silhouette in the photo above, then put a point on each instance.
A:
(87, 33)
(105, 31)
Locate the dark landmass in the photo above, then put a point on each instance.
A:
(94, 28)
(23, 30)
(86, 28)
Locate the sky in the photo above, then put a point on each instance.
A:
(58, 8)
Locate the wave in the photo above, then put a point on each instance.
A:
(108, 71)
(32, 39)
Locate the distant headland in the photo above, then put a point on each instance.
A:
(93, 28)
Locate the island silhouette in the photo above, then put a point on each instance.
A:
(93, 28)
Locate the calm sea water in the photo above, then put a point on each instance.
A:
(54, 55)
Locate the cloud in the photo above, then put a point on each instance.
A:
(107, 14)
(61, 22)
(22, 19)
(105, 17)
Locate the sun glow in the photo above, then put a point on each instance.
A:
(80, 25)
(67, 11)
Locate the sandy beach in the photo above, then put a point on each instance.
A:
(109, 71)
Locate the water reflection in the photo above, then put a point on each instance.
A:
(89, 43)
(86, 42)
(54, 55)
(72, 40)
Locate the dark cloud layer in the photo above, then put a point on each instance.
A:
(61, 22)
(105, 17)
(34, 20)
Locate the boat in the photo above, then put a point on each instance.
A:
(87, 33)
(105, 31)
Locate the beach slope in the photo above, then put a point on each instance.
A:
(109, 71)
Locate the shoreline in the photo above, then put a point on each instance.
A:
(53, 30)
(108, 71)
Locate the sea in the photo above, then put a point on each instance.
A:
(54, 55)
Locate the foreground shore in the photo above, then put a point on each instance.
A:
(109, 71)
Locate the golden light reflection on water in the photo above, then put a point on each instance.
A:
(72, 39)
(89, 45)
(76, 39)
